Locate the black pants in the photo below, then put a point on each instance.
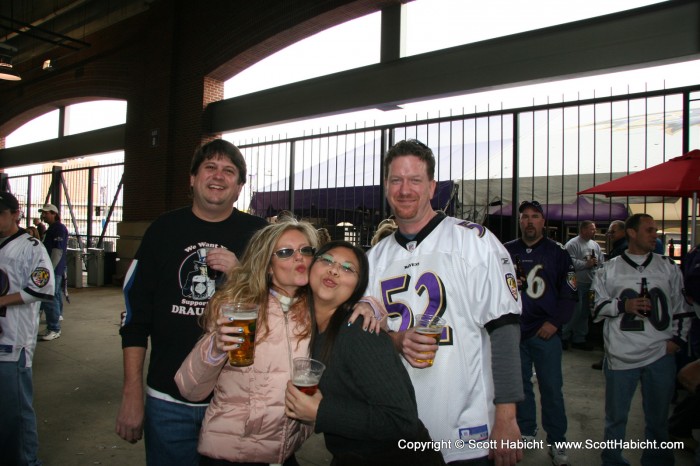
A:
(205, 461)
(483, 461)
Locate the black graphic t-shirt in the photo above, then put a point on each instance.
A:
(168, 286)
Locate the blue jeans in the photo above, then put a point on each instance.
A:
(576, 329)
(546, 356)
(19, 442)
(658, 384)
(171, 433)
(54, 309)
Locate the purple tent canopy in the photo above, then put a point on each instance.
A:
(345, 198)
(580, 210)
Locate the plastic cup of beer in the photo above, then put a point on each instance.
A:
(431, 326)
(307, 373)
(243, 315)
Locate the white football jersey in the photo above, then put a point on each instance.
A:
(25, 267)
(461, 272)
(632, 341)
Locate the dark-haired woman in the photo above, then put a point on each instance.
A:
(365, 404)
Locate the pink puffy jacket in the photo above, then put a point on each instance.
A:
(245, 421)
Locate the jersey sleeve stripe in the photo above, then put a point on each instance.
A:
(128, 284)
(501, 321)
(600, 307)
(42, 296)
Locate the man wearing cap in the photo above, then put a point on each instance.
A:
(548, 290)
(56, 243)
(25, 280)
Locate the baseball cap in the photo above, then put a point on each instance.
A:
(531, 204)
(49, 208)
(8, 202)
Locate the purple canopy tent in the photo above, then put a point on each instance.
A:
(335, 200)
(577, 211)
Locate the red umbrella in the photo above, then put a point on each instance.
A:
(679, 176)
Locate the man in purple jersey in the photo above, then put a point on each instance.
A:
(548, 290)
(56, 243)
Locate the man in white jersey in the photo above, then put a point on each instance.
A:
(457, 270)
(26, 278)
(641, 336)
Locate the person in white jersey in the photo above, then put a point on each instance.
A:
(458, 270)
(641, 333)
(26, 279)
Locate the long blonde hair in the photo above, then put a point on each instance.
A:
(386, 228)
(251, 281)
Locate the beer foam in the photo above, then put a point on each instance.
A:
(305, 380)
(242, 315)
(429, 330)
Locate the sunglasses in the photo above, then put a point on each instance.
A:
(535, 203)
(286, 253)
(329, 261)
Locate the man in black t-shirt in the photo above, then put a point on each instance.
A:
(164, 300)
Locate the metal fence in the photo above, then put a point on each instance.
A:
(493, 160)
(486, 163)
(89, 200)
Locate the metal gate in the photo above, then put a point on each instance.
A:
(89, 200)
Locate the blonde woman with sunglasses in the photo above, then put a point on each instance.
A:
(245, 421)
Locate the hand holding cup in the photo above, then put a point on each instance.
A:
(431, 326)
(244, 316)
(307, 374)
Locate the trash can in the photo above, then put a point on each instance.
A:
(75, 268)
(96, 267)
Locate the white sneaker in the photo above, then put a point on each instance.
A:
(60, 317)
(50, 335)
(559, 457)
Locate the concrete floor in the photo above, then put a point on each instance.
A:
(77, 387)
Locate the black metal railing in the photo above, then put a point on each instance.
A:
(493, 159)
